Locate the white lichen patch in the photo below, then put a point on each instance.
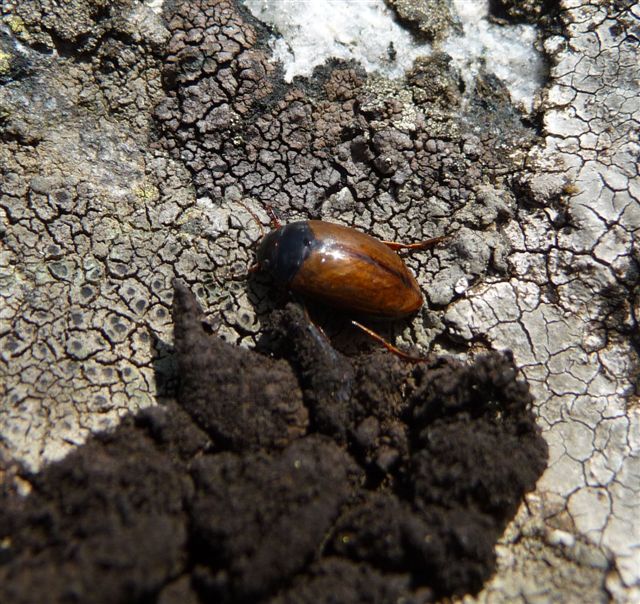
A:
(313, 32)
(507, 51)
(310, 33)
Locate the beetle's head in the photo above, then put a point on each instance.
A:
(283, 251)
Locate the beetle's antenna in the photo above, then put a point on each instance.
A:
(390, 347)
(255, 267)
(253, 215)
(275, 221)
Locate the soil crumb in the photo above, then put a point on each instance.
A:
(301, 475)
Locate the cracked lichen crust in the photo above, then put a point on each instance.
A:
(84, 210)
(567, 311)
(401, 163)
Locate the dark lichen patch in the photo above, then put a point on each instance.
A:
(428, 19)
(398, 489)
(435, 83)
(541, 12)
(69, 28)
(293, 148)
(15, 63)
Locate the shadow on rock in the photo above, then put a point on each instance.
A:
(297, 476)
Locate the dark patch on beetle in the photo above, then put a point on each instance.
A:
(397, 488)
(283, 251)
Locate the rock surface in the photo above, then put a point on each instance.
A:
(128, 139)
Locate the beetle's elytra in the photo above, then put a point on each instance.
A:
(341, 267)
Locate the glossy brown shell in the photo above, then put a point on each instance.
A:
(354, 271)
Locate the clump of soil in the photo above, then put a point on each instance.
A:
(298, 476)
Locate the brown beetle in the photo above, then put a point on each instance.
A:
(344, 268)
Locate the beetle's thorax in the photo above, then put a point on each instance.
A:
(283, 251)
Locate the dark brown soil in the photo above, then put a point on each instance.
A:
(309, 478)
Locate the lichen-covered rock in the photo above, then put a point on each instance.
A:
(103, 204)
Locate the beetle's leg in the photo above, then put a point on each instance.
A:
(275, 222)
(421, 245)
(390, 347)
(307, 316)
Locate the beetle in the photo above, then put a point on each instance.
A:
(344, 268)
